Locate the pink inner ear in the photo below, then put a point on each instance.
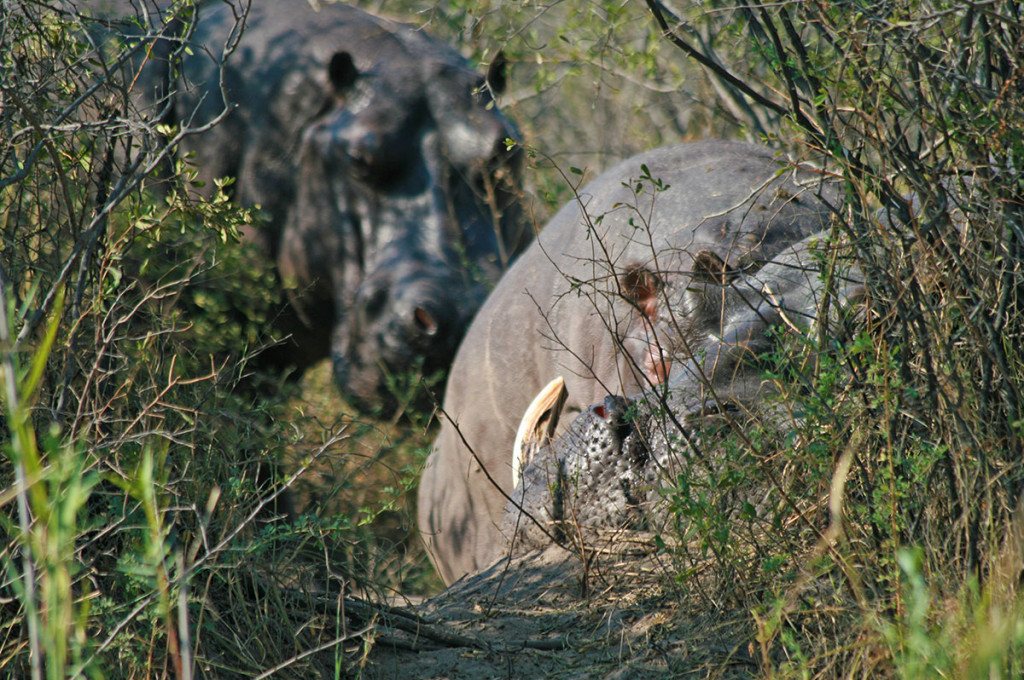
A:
(642, 286)
(656, 366)
(649, 306)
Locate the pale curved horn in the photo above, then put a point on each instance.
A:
(538, 425)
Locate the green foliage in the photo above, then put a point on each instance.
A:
(973, 638)
(897, 478)
(589, 83)
(52, 485)
(137, 483)
(861, 522)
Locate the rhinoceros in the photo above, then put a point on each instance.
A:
(606, 299)
(381, 161)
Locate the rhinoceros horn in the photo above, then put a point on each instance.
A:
(538, 425)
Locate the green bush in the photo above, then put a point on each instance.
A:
(139, 483)
(133, 489)
(902, 468)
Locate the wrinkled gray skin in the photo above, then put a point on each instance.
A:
(592, 304)
(391, 195)
(606, 469)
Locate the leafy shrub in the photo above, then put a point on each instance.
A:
(908, 436)
(138, 494)
(883, 543)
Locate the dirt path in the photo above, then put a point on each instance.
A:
(535, 616)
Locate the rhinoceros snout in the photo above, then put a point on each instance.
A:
(394, 333)
(406, 316)
(428, 328)
(595, 475)
(613, 412)
(603, 437)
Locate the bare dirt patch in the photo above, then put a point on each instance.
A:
(539, 614)
(536, 615)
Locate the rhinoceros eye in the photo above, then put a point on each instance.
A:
(342, 72)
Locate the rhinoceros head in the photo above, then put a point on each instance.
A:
(605, 471)
(406, 210)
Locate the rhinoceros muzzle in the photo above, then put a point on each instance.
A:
(599, 473)
(606, 471)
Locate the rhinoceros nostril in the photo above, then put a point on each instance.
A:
(612, 408)
(424, 322)
(363, 151)
(375, 303)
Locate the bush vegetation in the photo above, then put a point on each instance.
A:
(134, 492)
(138, 478)
(911, 427)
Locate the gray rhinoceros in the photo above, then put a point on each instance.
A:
(606, 298)
(381, 161)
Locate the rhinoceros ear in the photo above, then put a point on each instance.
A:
(538, 425)
(342, 72)
(708, 267)
(496, 80)
(641, 287)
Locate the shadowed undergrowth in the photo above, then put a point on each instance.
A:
(867, 528)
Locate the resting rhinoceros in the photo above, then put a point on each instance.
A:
(381, 161)
(601, 299)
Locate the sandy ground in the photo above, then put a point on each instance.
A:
(542, 615)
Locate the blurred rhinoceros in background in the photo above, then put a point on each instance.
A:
(381, 161)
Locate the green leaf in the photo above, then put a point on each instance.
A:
(42, 353)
